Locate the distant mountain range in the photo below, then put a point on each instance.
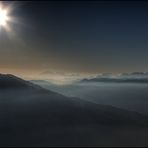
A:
(117, 80)
(26, 108)
(134, 77)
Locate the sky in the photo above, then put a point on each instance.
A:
(80, 37)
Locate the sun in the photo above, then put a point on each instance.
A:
(3, 17)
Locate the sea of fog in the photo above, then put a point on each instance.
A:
(27, 115)
(131, 96)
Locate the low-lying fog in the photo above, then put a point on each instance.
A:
(32, 116)
(131, 96)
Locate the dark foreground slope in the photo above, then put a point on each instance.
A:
(33, 116)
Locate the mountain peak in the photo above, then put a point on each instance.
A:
(9, 81)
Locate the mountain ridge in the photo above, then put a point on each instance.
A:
(116, 80)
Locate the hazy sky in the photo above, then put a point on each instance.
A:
(81, 36)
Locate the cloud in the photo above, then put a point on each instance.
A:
(62, 77)
(134, 75)
(138, 77)
(105, 75)
(124, 75)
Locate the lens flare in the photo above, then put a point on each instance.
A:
(3, 17)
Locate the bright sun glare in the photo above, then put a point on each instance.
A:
(3, 17)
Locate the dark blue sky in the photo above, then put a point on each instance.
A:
(84, 36)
